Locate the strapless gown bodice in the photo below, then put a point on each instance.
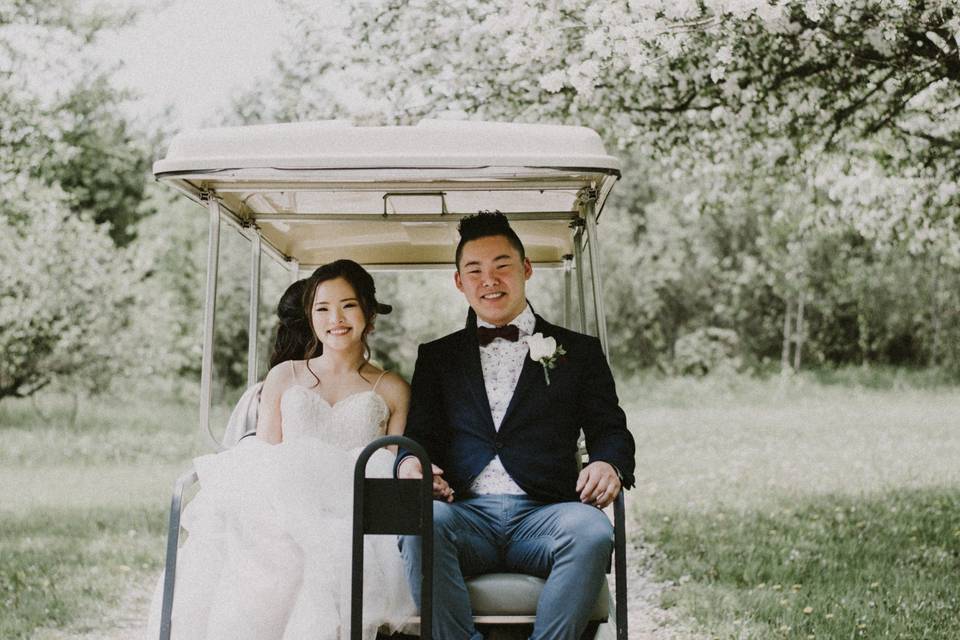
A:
(268, 544)
(350, 423)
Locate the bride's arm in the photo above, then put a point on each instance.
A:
(269, 427)
(396, 392)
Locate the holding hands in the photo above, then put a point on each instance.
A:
(410, 469)
(598, 484)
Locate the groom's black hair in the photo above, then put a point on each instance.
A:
(484, 224)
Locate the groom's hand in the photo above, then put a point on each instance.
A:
(410, 469)
(598, 484)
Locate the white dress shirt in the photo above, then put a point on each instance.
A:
(502, 361)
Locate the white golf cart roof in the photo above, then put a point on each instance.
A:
(392, 196)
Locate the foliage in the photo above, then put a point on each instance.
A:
(172, 248)
(62, 124)
(71, 172)
(772, 152)
(708, 350)
(65, 298)
(106, 169)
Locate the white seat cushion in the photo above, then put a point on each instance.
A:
(516, 594)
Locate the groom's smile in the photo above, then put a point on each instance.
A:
(492, 276)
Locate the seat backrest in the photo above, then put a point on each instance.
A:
(243, 419)
(383, 506)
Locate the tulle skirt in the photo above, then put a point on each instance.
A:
(268, 548)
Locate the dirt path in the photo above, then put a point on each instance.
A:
(125, 622)
(646, 619)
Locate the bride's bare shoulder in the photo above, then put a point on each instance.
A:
(391, 386)
(282, 375)
(396, 382)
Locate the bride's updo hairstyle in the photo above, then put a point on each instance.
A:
(293, 329)
(362, 283)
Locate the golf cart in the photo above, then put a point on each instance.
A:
(306, 194)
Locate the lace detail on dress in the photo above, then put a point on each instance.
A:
(349, 424)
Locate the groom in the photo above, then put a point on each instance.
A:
(510, 496)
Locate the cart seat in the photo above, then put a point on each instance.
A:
(517, 594)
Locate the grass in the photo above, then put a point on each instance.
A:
(83, 512)
(67, 567)
(800, 510)
(883, 566)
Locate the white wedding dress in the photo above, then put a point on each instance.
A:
(268, 548)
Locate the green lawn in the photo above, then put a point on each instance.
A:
(802, 511)
(83, 511)
(776, 511)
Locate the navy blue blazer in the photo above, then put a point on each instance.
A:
(537, 441)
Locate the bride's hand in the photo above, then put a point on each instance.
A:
(410, 469)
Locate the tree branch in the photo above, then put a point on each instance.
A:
(932, 139)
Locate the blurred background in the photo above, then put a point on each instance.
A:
(782, 280)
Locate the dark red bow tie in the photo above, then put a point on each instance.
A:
(486, 335)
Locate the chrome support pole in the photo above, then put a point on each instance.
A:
(209, 315)
(581, 296)
(567, 291)
(253, 326)
(593, 246)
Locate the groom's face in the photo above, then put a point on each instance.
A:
(492, 277)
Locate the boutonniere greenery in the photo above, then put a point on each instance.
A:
(545, 351)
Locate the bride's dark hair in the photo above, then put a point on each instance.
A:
(362, 283)
(293, 329)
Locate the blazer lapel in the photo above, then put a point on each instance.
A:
(473, 372)
(531, 378)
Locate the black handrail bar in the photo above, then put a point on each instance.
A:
(425, 527)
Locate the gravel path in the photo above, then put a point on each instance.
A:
(646, 619)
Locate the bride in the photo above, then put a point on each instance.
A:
(268, 544)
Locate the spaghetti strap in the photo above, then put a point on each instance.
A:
(382, 373)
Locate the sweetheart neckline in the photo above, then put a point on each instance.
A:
(338, 402)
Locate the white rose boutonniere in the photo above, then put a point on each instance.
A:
(545, 351)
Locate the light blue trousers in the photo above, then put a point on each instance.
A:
(567, 543)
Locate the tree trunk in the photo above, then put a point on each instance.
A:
(798, 338)
(37, 409)
(74, 410)
(936, 319)
(785, 352)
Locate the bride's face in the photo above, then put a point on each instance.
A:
(336, 316)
